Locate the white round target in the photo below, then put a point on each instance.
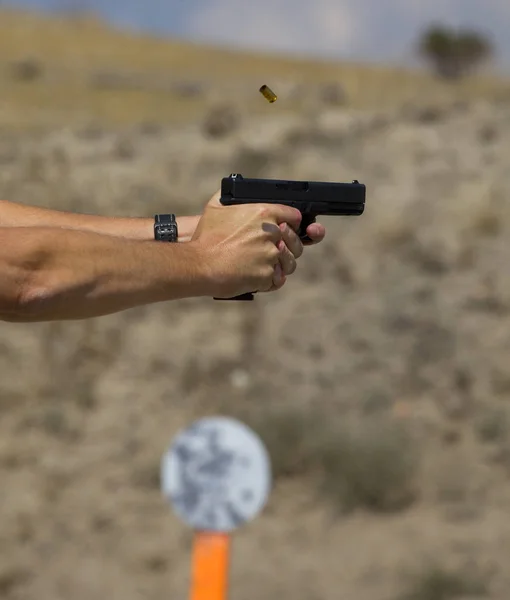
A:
(216, 474)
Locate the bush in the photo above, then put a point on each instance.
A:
(454, 54)
(220, 122)
(292, 437)
(438, 583)
(27, 70)
(370, 465)
(373, 466)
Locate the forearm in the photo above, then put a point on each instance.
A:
(56, 274)
(13, 214)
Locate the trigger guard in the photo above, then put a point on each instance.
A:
(305, 222)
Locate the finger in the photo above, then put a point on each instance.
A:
(287, 260)
(278, 281)
(284, 214)
(274, 231)
(275, 288)
(316, 232)
(279, 278)
(291, 239)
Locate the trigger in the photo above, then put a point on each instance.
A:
(305, 222)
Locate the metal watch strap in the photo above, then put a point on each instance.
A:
(165, 228)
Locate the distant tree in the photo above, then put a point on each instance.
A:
(454, 54)
(473, 49)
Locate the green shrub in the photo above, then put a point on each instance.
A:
(454, 54)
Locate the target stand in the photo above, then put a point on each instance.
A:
(216, 475)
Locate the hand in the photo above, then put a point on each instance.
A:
(290, 247)
(248, 247)
(187, 226)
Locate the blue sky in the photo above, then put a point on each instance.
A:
(374, 30)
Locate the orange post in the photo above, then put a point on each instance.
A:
(210, 566)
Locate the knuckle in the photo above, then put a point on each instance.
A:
(266, 276)
(271, 232)
(267, 272)
(275, 253)
(263, 210)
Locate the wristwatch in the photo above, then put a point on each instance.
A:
(165, 228)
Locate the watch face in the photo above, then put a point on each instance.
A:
(167, 232)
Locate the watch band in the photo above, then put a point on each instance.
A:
(165, 228)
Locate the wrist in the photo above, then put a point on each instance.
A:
(142, 228)
(192, 268)
(186, 227)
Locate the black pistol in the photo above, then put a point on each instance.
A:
(311, 198)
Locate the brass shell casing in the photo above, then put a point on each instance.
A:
(268, 94)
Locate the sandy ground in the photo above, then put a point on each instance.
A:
(400, 317)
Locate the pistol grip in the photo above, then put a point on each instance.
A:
(248, 297)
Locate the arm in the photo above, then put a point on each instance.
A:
(56, 274)
(13, 214)
(50, 273)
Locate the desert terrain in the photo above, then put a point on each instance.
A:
(378, 377)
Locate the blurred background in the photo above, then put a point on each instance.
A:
(379, 377)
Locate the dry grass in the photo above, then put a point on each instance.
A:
(370, 465)
(435, 582)
(71, 55)
(492, 425)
